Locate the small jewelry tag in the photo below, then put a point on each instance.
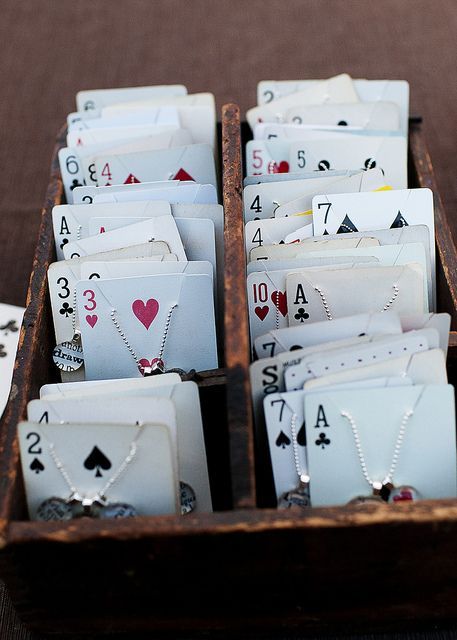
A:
(68, 356)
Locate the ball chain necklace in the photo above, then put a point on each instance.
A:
(78, 505)
(386, 490)
(299, 495)
(145, 367)
(328, 313)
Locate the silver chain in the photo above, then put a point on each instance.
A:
(304, 477)
(127, 343)
(393, 465)
(328, 313)
(73, 317)
(122, 467)
(277, 310)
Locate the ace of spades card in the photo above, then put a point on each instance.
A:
(91, 454)
(169, 317)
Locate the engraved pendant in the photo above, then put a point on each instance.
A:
(117, 510)
(298, 497)
(68, 356)
(54, 509)
(404, 493)
(187, 497)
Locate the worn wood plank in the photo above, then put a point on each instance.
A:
(236, 328)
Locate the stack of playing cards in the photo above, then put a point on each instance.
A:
(140, 248)
(338, 124)
(115, 449)
(10, 324)
(342, 298)
(134, 293)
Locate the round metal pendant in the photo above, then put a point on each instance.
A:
(298, 497)
(55, 509)
(367, 500)
(117, 510)
(188, 498)
(404, 494)
(68, 355)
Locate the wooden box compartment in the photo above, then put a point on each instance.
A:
(240, 570)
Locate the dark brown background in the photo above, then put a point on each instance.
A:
(49, 49)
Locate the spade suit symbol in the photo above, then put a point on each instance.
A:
(37, 466)
(97, 460)
(282, 440)
(399, 221)
(347, 226)
(301, 436)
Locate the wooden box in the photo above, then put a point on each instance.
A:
(242, 570)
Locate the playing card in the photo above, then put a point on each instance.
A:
(62, 279)
(77, 165)
(427, 461)
(265, 199)
(193, 468)
(423, 367)
(302, 262)
(271, 231)
(159, 116)
(95, 99)
(10, 324)
(366, 115)
(345, 213)
(127, 269)
(158, 317)
(158, 228)
(193, 162)
(439, 321)
(267, 299)
(352, 151)
(325, 294)
(144, 104)
(91, 454)
(301, 336)
(370, 180)
(299, 250)
(71, 222)
(117, 411)
(378, 350)
(280, 409)
(116, 135)
(197, 235)
(337, 89)
(182, 193)
(281, 177)
(396, 91)
(63, 390)
(390, 255)
(267, 156)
